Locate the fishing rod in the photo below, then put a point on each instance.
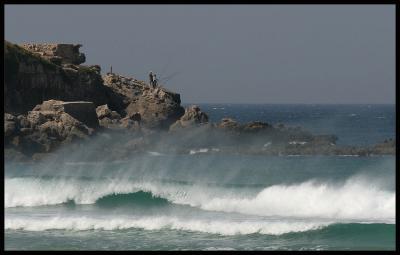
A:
(169, 77)
(164, 80)
(165, 66)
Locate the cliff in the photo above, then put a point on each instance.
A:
(38, 72)
(31, 79)
(157, 107)
(51, 99)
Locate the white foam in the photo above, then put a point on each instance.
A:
(35, 192)
(27, 192)
(352, 200)
(297, 142)
(203, 150)
(155, 153)
(267, 144)
(223, 227)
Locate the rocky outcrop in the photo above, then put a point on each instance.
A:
(126, 89)
(103, 111)
(40, 72)
(82, 111)
(49, 125)
(51, 99)
(193, 117)
(157, 107)
(228, 124)
(256, 126)
(31, 79)
(112, 120)
(58, 53)
(386, 147)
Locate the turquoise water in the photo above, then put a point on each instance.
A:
(336, 237)
(204, 202)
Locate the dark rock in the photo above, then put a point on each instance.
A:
(135, 116)
(23, 122)
(84, 112)
(388, 147)
(256, 126)
(9, 128)
(228, 124)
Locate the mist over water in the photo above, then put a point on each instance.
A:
(202, 200)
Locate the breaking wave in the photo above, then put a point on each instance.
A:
(351, 200)
(223, 227)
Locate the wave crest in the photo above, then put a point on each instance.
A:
(353, 199)
(223, 227)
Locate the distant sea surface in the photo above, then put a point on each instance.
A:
(203, 201)
(357, 124)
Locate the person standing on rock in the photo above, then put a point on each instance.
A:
(151, 78)
(155, 81)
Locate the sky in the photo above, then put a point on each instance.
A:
(330, 54)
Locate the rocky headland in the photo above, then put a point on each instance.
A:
(53, 102)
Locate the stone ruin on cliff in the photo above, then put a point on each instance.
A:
(57, 53)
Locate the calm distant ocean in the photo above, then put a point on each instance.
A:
(353, 124)
(200, 201)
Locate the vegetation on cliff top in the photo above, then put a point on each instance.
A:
(14, 54)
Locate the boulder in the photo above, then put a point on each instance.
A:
(35, 118)
(52, 123)
(103, 111)
(49, 105)
(130, 124)
(193, 117)
(228, 124)
(82, 111)
(256, 126)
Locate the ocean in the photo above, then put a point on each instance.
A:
(202, 201)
